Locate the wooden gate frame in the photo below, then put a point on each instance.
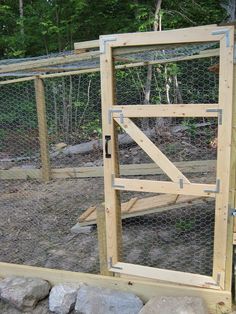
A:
(220, 279)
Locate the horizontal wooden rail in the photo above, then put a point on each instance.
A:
(166, 275)
(48, 62)
(195, 166)
(164, 186)
(159, 110)
(145, 289)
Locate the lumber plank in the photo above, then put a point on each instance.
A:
(152, 150)
(196, 166)
(111, 165)
(86, 44)
(184, 278)
(203, 34)
(223, 156)
(48, 62)
(43, 129)
(159, 110)
(143, 288)
(196, 189)
(143, 206)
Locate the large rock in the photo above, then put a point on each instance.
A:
(92, 300)
(175, 305)
(23, 293)
(62, 299)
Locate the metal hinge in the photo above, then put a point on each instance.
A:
(111, 111)
(220, 113)
(104, 40)
(233, 211)
(217, 189)
(111, 266)
(223, 31)
(115, 186)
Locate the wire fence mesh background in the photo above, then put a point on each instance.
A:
(37, 217)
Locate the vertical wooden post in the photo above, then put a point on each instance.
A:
(111, 164)
(102, 243)
(231, 220)
(43, 131)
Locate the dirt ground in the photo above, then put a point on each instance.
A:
(36, 219)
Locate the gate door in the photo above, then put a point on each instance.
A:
(168, 96)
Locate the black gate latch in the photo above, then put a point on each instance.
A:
(107, 139)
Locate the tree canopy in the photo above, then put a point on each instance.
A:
(36, 27)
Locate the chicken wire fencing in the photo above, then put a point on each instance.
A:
(37, 216)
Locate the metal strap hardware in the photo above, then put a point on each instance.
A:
(220, 112)
(217, 189)
(223, 31)
(233, 212)
(181, 183)
(115, 186)
(111, 266)
(104, 40)
(111, 111)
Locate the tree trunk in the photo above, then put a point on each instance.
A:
(147, 93)
(21, 9)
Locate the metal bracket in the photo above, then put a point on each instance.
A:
(104, 40)
(217, 189)
(226, 33)
(233, 211)
(111, 111)
(115, 186)
(235, 54)
(111, 266)
(220, 113)
(181, 183)
(217, 284)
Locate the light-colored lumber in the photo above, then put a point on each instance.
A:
(19, 80)
(42, 127)
(195, 166)
(159, 110)
(102, 243)
(86, 44)
(111, 165)
(231, 238)
(117, 67)
(152, 150)
(166, 275)
(19, 173)
(142, 288)
(223, 156)
(48, 62)
(196, 189)
(234, 238)
(143, 206)
(203, 34)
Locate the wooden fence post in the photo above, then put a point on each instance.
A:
(43, 130)
(102, 243)
(232, 219)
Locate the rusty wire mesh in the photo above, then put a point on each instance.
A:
(37, 217)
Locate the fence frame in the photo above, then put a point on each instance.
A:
(217, 300)
(225, 36)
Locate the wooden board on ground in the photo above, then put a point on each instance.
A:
(138, 207)
(193, 166)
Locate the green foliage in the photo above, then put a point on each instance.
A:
(184, 225)
(54, 25)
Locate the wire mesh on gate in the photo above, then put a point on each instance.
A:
(37, 217)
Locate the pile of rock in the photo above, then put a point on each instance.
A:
(25, 293)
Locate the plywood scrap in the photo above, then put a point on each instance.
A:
(138, 207)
